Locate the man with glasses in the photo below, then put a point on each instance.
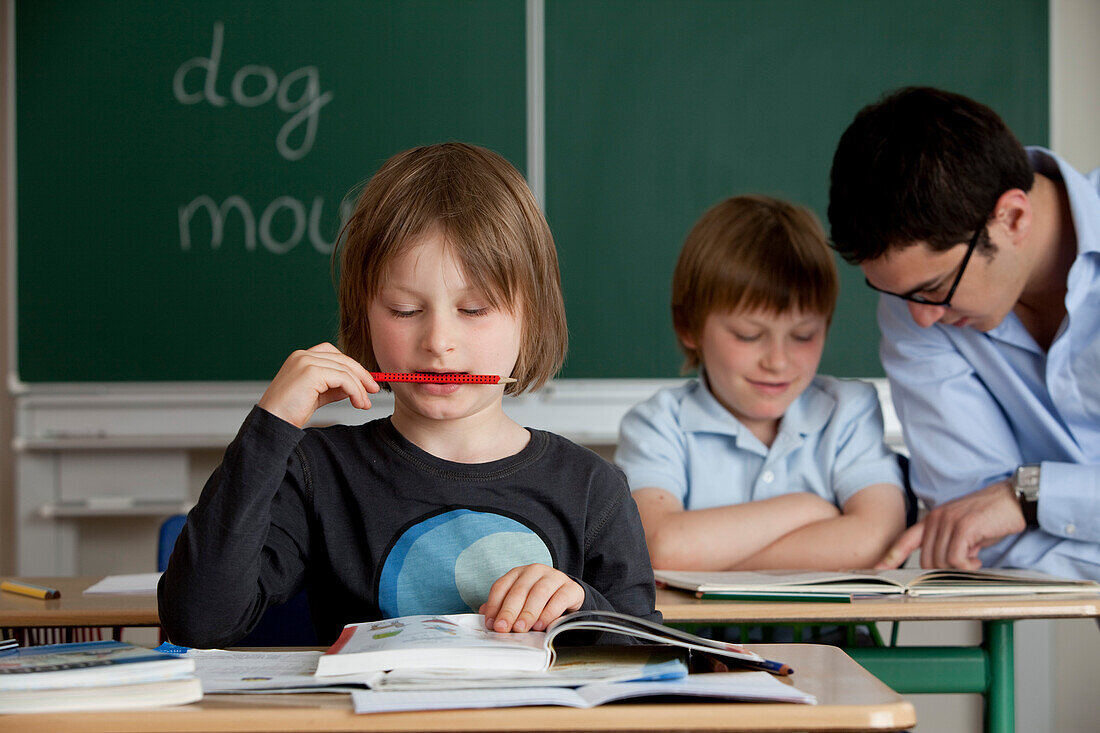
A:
(988, 258)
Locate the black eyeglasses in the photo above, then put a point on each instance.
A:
(917, 298)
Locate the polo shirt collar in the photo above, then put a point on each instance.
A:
(702, 413)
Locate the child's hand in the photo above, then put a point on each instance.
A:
(529, 597)
(315, 377)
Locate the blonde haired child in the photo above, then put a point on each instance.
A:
(448, 505)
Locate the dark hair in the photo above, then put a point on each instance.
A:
(752, 253)
(488, 217)
(920, 165)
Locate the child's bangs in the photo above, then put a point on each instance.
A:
(487, 259)
(776, 279)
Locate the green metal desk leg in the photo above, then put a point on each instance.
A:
(1000, 700)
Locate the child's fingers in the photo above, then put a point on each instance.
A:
(568, 597)
(311, 378)
(332, 380)
(358, 370)
(338, 359)
(491, 607)
(513, 602)
(902, 548)
(533, 596)
(539, 594)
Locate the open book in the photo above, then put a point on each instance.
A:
(461, 642)
(776, 584)
(225, 671)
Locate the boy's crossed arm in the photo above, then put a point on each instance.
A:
(798, 530)
(721, 537)
(856, 538)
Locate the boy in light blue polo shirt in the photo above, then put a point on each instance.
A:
(760, 463)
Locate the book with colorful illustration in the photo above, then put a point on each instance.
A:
(461, 642)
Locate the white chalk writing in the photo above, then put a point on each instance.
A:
(299, 95)
(263, 232)
(305, 108)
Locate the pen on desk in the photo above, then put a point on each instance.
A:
(710, 662)
(440, 378)
(9, 646)
(774, 667)
(29, 589)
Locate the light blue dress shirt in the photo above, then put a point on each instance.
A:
(974, 406)
(829, 443)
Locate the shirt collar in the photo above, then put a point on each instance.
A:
(702, 413)
(1086, 226)
(1082, 197)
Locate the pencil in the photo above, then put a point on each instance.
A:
(774, 667)
(712, 662)
(437, 378)
(29, 589)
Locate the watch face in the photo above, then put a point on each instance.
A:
(1026, 482)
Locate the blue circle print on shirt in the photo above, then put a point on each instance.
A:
(448, 562)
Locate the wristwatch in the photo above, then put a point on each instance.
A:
(1025, 482)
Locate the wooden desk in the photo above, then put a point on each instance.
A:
(986, 669)
(849, 699)
(74, 608)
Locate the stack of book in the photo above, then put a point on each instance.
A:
(97, 675)
(453, 661)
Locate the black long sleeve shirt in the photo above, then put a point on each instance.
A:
(374, 527)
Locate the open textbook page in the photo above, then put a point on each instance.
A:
(461, 642)
(909, 581)
(742, 685)
(225, 671)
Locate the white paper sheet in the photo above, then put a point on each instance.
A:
(132, 583)
(234, 671)
(740, 686)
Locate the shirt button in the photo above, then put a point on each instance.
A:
(768, 477)
(1071, 528)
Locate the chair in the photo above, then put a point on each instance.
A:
(288, 624)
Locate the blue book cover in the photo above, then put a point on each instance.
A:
(93, 663)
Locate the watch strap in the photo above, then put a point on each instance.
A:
(1025, 483)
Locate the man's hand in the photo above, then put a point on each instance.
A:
(953, 533)
(529, 597)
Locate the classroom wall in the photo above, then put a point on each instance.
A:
(7, 474)
(1075, 108)
(1075, 81)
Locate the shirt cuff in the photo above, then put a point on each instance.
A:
(1069, 498)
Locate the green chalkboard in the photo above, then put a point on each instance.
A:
(139, 125)
(657, 110)
(127, 111)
